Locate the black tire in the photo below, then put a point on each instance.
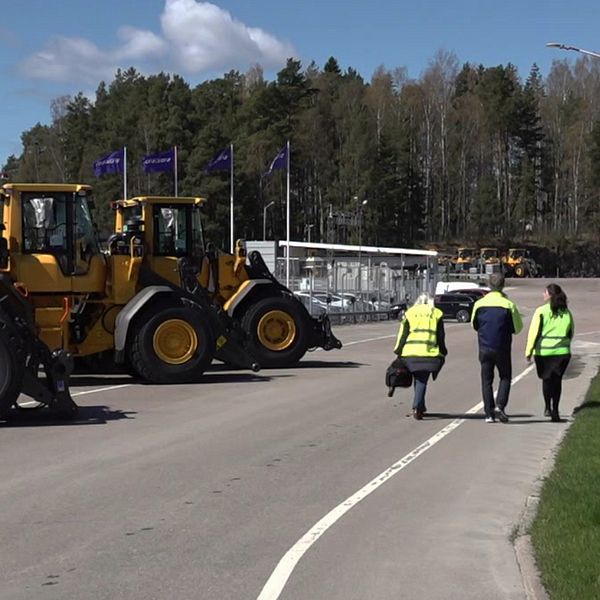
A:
(520, 271)
(11, 375)
(463, 316)
(288, 343)
(164, 323)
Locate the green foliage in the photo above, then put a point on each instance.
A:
(460, 152)
(566, 531)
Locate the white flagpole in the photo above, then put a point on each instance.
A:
(124, 172)
(231, 200)
(287, 219)
(175, 159)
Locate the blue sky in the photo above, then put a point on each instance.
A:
(49, 48)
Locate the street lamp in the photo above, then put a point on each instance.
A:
(566, 47)
(265, 220)
(307, 229)
(360, 209)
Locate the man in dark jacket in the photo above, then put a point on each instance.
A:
(496, 319)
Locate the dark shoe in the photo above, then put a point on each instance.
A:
(390, 392)
(547, 413)
(555, 418)
(502, 416)
(418, 414)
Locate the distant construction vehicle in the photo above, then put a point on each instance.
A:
(519, 263)
(465, 259)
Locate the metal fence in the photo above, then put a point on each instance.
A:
(350, 291)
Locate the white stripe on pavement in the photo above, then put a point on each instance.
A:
(104, 389)
(285, 567)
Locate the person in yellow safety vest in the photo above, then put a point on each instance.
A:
(421, 342)
(549, 342)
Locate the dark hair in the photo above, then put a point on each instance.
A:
(558, 299)
(496, 282)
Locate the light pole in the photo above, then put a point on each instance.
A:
(360, 209)
(566, 47)
(307, 229)
(265, 220)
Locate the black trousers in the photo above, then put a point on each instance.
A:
(552, 388)
(491, 360)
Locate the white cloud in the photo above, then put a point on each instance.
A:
(196, 38)
(68, 59)
(203, 37)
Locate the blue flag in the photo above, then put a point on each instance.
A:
(220, 162)
(161, 161)
(279, 162)
(111, 163)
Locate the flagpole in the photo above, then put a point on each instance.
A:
(287, 218)
(175, 158)
(231, 200)
(124, 172)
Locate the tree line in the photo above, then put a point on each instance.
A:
(464, 153)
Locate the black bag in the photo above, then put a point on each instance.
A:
(397, 375)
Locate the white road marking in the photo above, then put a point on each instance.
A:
(285, 567)
(104, 389)
(587, 333)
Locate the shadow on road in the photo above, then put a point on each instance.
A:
(322, 364)
(575, 368)
(87, 415)
(589, 405)
(474, 417)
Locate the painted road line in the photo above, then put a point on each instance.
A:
(286, 566)
(104, 389)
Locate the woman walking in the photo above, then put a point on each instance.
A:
(421, 344)
(549, 342)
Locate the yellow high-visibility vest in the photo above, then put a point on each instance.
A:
(553, 337)
(422, 320)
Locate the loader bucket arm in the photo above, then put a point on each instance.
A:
(230, 338)
(29, 353)
(321, 333)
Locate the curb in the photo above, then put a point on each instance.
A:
(524, 553)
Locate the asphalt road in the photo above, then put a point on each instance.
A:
(199, 491)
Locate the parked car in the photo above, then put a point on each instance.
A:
(474, 293)
(455, 306)
(315, 305)
(397, 310)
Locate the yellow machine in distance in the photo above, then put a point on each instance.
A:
(278, 327)
(465, 259)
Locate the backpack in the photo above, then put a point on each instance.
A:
(397, 375)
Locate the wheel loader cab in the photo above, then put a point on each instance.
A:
(173, 230)
(51, 238)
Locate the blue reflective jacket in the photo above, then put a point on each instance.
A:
(496, 318)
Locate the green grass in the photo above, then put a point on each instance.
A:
(566, 531)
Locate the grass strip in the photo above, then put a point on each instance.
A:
(566, 531)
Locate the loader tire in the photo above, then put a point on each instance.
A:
(520, 271)
(11, 375)
(171, 344)
(278, 331)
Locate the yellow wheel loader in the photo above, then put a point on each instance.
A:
(465, 259)
(519, 263)
(61, 297)
(278, 327)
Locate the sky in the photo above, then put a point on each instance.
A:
(52, 48)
